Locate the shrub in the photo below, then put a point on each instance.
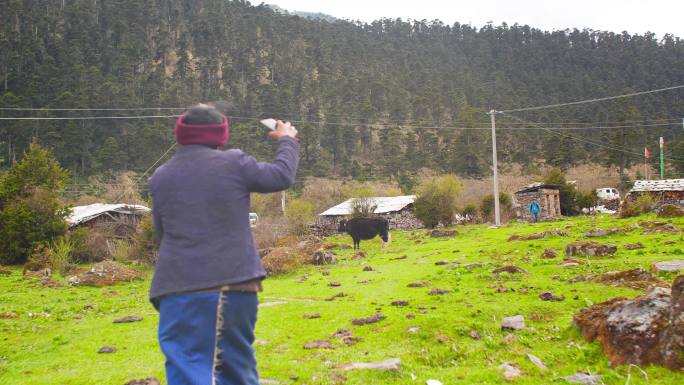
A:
(39, 258)
(469, 211)
(61, 257)
(487, 205)
(299, 214)
(437, 199)
(123, 250)
(30, 210)
(642, 205)
(586, 200)
(27, 220)
(363, 204)
(145, 245)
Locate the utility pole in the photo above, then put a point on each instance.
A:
(497, 212)
(282, 201)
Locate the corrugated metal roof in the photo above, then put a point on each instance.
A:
(385, 205)
(658, 185)
(536, 186)
(81, 214)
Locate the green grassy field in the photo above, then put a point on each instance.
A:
(51, 335)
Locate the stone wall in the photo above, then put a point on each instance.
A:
(660, 197)
(398, 220)
(548, 199)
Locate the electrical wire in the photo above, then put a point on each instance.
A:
(591, 100)
(600, 144)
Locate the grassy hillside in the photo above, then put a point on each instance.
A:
(51, 335)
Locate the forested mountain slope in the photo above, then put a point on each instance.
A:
(371, 100)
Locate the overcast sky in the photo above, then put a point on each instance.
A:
(633, 16)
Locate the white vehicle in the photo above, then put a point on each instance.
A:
(607, 193)
(253, 218)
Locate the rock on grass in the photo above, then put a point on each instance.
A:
(318, 344)
(368, 320)
(513, 323)
(391, 364)
(128, 319)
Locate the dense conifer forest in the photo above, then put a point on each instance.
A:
(371, 100)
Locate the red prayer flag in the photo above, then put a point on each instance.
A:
(647, 153)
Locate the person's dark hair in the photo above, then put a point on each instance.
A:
(203, 114)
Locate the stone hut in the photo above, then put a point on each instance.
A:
(547, 195)
(397, 210)
(664, 191)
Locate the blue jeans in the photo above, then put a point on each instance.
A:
(207, 338)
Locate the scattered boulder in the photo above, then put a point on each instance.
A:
(329, 246)
(433, 382)
(437, 291)
(646, 330)
(312, 316)
(391, 364)
(346, 337)
(670, 211)
(638, 279)
(653, 227)
(418, 284)
(107, 349)
(128, 319)
(509, 339)
(549, 254)
(583, 378)
(513, 323)
(535, 360)
(399, 258)
(367, 268)
(105, 273)
(400, 303)
(323, 257)
(633, 246)
(570, 262)
(334, 284)
(318, 344)
(549, 296)
(589, 249)
(38, 274)
(509, 269)
(144, 381)
(510, 371)
(668, 266)
(442, 233)
(338, 295)
(368, 320)
(518, 237)
(595, 233)
(441, 263)
(359, 255)
(474, 334)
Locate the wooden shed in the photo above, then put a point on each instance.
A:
(546, 195)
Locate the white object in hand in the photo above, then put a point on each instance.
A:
(270, 123)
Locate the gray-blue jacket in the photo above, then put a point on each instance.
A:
(201, 215)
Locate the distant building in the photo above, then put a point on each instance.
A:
(546, 195)
(103, 212)
(397, 210)
(664, 191)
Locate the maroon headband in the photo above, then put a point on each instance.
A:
(206, 134)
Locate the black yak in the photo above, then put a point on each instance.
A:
(366, 228)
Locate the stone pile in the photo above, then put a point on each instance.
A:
(646, 330)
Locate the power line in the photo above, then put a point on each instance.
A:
(592, 100)
(369, 125)
(613, 147)
(93, 117)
